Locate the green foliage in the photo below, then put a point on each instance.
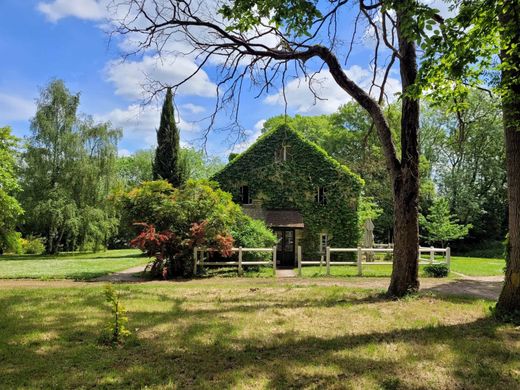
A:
(467, 153)
(440, 225)
(349, 137)
(196, 165)
(296, 17)
(253, 233)
(167, 164)
(9, 206)
(32, 246)
(436, 270)
(134, 169)
(293, 184)
(68, 172)
(368, 209)
(116, 327)
(196, 214)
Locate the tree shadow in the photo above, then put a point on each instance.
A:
(202, 348)
(468, 288)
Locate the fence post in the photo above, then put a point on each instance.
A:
(299, 260)
(240, 270)
(432, 255)
(274, 260)
(359, 266)
(327, 259)
(448, 257)
(195, 261)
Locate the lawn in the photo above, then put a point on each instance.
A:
(78, 266)
(463, 265)
(253, 333)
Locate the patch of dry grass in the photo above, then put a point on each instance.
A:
(259, 334)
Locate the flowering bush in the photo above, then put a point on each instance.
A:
(173, 221)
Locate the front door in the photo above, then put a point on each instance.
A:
(284, 247)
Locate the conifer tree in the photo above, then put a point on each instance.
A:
(167, 163)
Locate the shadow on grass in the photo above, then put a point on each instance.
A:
(470, 289)
(187, 348)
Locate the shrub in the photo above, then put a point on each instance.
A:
(172, 221)
(436, 270)
(252, 233)
(10, 242)
(117, 330)
(33, 246)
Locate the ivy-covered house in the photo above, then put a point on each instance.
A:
(305, 196)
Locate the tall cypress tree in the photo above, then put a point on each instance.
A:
(167, 155)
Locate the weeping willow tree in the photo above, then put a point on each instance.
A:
(68, 171)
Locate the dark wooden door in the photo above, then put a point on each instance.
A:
(285, 247)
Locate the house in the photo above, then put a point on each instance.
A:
(305, 196)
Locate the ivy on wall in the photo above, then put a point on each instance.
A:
(293, 184)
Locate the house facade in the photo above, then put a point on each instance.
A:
(305, 196)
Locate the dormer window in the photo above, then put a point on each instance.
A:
(245, 196)
(280, 154)
(321, 196)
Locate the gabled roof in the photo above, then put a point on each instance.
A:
(288, 131)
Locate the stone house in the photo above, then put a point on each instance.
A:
(305, 196)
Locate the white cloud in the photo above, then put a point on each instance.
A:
(193, 108)
(82, 9)
(14, 108)
(130, 77)
(124, 153)
(139, 123)
(331, 96)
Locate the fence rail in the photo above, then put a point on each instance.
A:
(198, 258)
(359, 259)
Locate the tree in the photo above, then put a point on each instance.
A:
(306, 33)
(167, 164)
(68, 172)
(135, 169)
(441, 226)
(466, 147)
(468, 47)
(10, 207)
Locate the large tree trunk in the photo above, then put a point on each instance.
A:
(509, 300)
(406, 182)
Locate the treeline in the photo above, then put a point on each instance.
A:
(59, 185)
(462, 165)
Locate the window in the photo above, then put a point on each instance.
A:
(280, 154)
(245, 197)
(324, 242)
(321, 196)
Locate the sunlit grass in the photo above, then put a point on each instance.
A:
(462, 265)
(253, 333)
(69, 265)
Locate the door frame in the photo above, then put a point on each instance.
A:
(281, 256)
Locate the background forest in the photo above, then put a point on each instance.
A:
(70, 173)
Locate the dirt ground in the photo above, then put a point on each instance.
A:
(485, 287)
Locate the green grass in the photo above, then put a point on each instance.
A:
(464, 265)
(253, 334)
(78, 266)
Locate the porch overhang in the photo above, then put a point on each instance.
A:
(284, 219)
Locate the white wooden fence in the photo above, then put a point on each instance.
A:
(359, 258)
(199, 253)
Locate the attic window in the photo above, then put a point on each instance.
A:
(321, 196)
(280, 154)
(245, 197)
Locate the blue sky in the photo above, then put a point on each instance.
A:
(45, 39)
